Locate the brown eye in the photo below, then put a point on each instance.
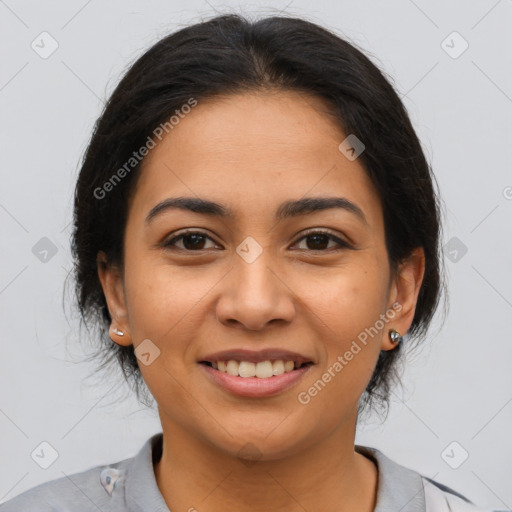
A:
(190, 240)
(319, 241)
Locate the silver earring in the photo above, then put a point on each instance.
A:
(395, 336)
(115, 330)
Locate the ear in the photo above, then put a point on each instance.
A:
(113, 288)
(404, 290)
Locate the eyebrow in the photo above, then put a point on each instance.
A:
(288, 209)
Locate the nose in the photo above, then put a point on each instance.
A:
(255, 294)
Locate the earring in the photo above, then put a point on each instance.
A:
(395, 336)
(115, 330)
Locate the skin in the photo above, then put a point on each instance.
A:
(251, 152)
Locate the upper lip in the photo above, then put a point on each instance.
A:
(256, 356)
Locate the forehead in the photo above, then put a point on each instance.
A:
(252, 150)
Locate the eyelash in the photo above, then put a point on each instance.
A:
(343, 245)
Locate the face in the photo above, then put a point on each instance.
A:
(266, 281)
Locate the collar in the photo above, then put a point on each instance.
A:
(398, 488)
(141, 490)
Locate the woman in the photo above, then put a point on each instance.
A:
(256, 231)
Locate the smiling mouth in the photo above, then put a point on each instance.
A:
(263, 369)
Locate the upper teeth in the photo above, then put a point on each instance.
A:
(263, 369)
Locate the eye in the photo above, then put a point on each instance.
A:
(191, 240)
(316, 240)
(319, 241)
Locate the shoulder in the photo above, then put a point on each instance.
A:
(79, 492)
(441, 497)
(397, 483)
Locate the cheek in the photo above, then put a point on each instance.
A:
(159, 295)
(167, 305)
(349, 300)
(347, 311)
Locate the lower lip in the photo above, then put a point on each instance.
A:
(254, 386)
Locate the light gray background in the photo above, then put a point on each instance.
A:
(458, 388)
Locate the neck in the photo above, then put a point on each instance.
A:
(195, 475)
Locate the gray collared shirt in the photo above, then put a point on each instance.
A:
(130, 486)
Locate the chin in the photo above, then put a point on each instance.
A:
(251, 445)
